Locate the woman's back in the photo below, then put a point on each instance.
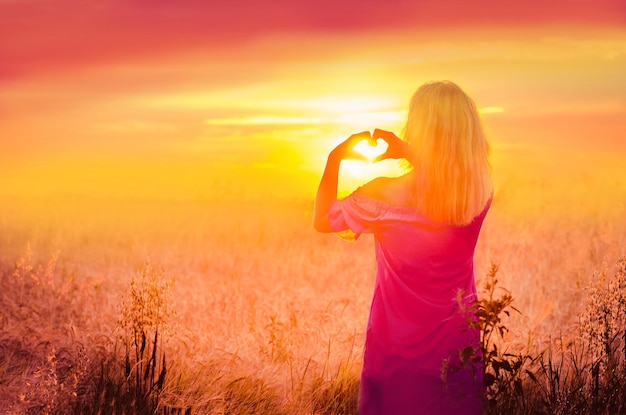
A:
(424, 274)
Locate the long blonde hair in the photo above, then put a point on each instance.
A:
(453, 175)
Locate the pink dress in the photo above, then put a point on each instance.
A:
(415, 322)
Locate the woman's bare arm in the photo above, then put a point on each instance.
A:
(327, 190)
(326, 194)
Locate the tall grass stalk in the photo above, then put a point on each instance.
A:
(144, 318)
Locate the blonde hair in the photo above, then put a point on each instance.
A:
(453, 176)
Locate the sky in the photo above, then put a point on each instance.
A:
(193, 98)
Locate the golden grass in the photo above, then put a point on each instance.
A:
(268, 316)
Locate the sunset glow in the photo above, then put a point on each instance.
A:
(160, 163)
(125, 99)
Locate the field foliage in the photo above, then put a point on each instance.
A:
(239, 307)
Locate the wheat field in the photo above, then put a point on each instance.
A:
(259, 313)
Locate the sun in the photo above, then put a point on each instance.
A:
(371, 151)
(367, 167)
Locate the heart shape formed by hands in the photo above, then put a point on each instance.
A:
(369, 150)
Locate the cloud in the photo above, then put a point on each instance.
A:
(56, 35)
(490, 110)
(354, 117)
(265, 120)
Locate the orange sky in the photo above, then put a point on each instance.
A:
(144, 98)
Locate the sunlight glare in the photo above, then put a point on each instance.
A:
(355, 173)
(355, 168)
(371, 151)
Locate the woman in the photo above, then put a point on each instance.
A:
(426, 224)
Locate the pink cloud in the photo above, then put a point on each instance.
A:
(38, 36)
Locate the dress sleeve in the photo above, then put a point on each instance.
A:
(354, 215)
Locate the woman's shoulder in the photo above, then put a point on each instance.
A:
(392, 190)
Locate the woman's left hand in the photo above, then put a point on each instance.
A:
(397, 148)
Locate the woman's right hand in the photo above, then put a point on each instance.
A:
(397, 148)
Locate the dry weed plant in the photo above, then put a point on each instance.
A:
(135, 382)
(42, 363)
(492, 363)
(145, 314)
(144, 317)
(603, 329)
(584, 373)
